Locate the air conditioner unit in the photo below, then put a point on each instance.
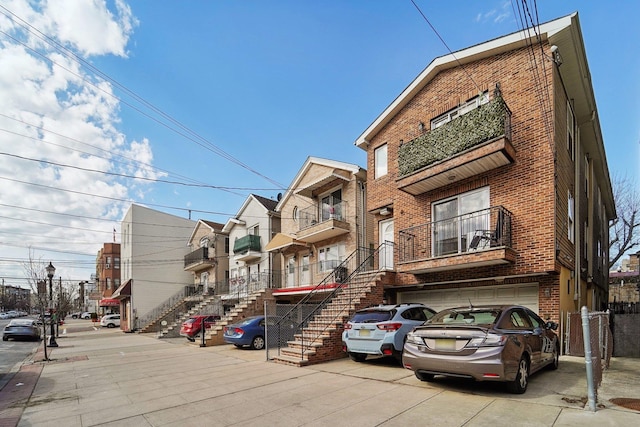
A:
(107, 265)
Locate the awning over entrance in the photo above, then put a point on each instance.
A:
(123, 291)
(109, 302)
(281, 241)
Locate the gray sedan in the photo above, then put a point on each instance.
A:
(21, 329)
(488, 343)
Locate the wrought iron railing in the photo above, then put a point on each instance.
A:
(475, 231)
(361, 260)
(317, 214)
(197, 256)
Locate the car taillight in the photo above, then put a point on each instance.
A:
(490, 340)
(347, 326)
(238, 331)
(390, 327)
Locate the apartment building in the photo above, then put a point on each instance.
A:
(489, 175)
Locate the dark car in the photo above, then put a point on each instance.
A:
(487, 343)
(21, 329)
(193, 325)
(257, 331)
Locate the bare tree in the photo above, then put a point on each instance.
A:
(35, 272)
(624, 232)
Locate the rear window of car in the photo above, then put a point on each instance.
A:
(466, 317)
(372, 316)
(190, 320)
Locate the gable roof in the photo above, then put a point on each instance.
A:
(268, 205)
(349, 167)
(566, 35)
(213, 226)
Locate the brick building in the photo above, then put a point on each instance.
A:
(488, 173)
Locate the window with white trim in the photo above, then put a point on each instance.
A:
(570, 217)
(460, 110)
(330, 257)
(380, 159)
(571, 130)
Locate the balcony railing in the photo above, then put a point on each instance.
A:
(482, 124)
(242, 286)
(476, 231)
(198, 256)
(248, 243)
(315, 214)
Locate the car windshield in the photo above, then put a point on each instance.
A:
(372, 316)
(461, 316)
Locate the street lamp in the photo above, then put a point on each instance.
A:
(50, 272)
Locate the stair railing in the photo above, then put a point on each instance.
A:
(361, 260)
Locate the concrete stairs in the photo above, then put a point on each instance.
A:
(321, 339)
(173, 330)
(253, 305)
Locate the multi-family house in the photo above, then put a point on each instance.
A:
(108, 277)
(251, 267)
(324, 219)
(208, 260)
(488, 173)
(152, 250)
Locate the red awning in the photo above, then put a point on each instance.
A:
(302, 290)
(109, 302)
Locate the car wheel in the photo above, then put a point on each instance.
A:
(5, 338)
(357, 357)
(111, 325)
(424, 377)
(556, 358)
(257, 343)
(519, 384)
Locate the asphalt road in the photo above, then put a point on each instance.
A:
(13, 352)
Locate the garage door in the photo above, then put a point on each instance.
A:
(523, 294)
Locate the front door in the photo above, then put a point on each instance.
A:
(305, 276)
(386, 240)
(291, 272)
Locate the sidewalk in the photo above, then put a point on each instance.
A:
(109, 378)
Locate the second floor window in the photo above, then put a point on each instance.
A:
(380, 159)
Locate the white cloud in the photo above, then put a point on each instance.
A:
(53, 112)
(496, 15)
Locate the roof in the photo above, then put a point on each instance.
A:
(350, 167)
(268, 204)
(215, 227)
(565, 33)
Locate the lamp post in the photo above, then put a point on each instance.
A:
(50, 272)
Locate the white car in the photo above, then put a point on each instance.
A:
(110, 320)
(85, 315)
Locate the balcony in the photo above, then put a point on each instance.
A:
(197, 260)
(321, 223)
(468, 145)
(247, 248)
(475, 239)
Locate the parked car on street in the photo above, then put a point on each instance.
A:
(85, 315)
(193, 325)
(484, 343)
(110, 320)
(21, 329)
(381, 330)
(76, 315)
(252, 332)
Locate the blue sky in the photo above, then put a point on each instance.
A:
(260, 86)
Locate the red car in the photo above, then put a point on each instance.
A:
(192, 326)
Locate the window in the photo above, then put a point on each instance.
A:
(226, 245)
(204, 242)
(108, 263)
(458, 219)
(331, 206)
(116, 283)
(108, 283)
(296, 214)
(330, 257)
(570, 220)
(571, 127)
(380, 159)
(116, 263)
(460, 110)
(255, 230)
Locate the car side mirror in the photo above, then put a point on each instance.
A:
(552, 325)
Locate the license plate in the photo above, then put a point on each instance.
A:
(445, 344)
(365, 333)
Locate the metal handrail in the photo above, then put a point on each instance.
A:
(342, 272)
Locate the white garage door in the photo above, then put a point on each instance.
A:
(524, 294)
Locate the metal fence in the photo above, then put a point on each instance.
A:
(601, 340)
